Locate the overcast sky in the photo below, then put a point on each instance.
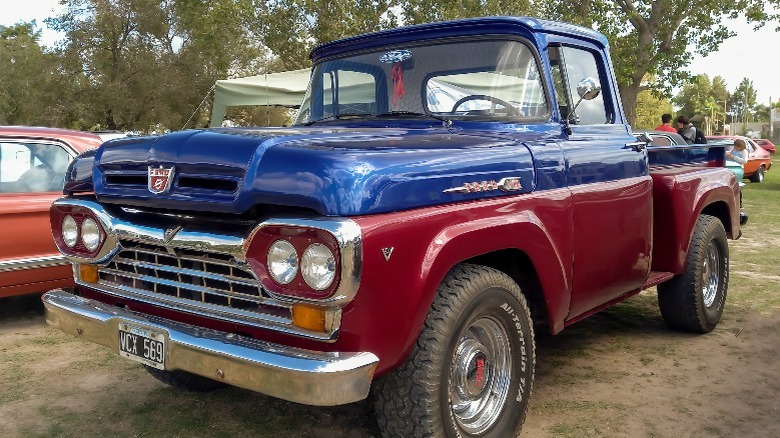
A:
(751, 54)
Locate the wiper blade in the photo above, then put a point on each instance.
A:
(338, 117)
(447, 122)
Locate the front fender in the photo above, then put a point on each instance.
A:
(408, 254)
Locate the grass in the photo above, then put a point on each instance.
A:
(755, 258)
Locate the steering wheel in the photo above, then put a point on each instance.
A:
(511, 110)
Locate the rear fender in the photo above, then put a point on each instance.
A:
(679, 200)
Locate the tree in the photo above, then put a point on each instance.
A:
(424, 11)
(26, 72)
(658, 37)
(650, 108)
(291, 28)
(743, 100)
(147, 64)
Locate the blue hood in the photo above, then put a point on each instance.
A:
(335, 172)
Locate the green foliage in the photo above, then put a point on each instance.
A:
(742, 101)
(26, 75)
(425, 11)
(705, 102)
(291, 28)
(649, 110)
(657, 37)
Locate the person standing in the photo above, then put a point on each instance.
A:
(689, 132)
(666, 124)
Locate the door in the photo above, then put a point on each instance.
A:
(32, 174)
(607, 173)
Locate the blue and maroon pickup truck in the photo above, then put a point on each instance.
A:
(445, 189)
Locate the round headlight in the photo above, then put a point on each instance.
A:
(318, 266)
(70, 231)
(90, 234)
(282, 261)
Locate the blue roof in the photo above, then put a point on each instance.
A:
(466, 26)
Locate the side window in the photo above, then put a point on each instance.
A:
(32, 167)
(570, 66)
(559, 82)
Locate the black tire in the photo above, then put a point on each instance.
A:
(693, 301)
(758, 176)
(477, 340)
(184, 381)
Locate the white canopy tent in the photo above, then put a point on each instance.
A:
(282, 89)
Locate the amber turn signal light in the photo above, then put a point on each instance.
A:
(88, 273)
(308, 317)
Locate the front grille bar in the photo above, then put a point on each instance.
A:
(208, 283)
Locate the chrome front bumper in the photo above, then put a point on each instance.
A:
(302, 376)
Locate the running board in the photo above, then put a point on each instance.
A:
(656, 278)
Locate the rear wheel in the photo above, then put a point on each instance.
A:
(184, 381)
(693, 301)
(758, 176)
(471, 371)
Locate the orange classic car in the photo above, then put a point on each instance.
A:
(33, 162)
(759, 160)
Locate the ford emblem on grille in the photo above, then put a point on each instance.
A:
(160, 179)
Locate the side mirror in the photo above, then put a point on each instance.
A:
(588, 89)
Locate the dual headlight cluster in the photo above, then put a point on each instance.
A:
(89, 232)
(317, 265)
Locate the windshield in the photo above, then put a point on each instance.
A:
(482, 80)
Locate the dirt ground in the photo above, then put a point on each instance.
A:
(620, 373)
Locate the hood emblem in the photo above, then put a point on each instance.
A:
(510, 184)
(160, 179)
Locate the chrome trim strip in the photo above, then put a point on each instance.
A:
(32, 263)
(302, 376)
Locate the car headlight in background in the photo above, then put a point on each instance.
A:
(282, 261)
(318, 266)
(70, 231)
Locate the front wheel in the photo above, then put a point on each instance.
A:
(471, 371)
(693, 301)
(758, 177)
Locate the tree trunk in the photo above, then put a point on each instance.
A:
(628, 96)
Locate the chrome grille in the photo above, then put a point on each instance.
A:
(211, 283)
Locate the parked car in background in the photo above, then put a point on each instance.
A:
(759, 160)
(33, 162)
(766, 145)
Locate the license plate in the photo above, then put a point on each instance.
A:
(142, 344)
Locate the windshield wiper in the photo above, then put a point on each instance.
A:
(447, 122)
(338, 117)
